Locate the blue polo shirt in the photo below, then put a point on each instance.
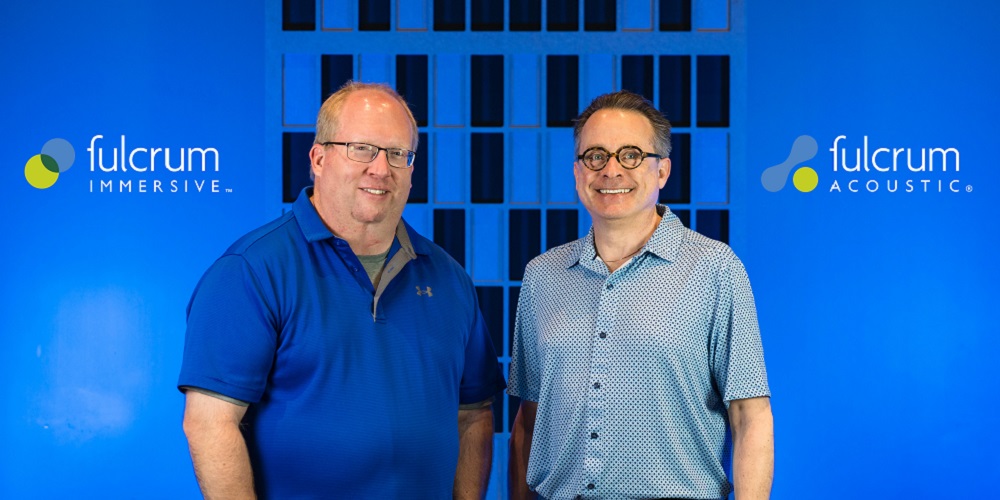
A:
(353, 392)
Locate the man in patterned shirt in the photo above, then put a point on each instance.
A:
(636, 348)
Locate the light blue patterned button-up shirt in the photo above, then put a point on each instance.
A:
(633, 370)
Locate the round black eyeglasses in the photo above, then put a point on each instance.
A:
(628, 157)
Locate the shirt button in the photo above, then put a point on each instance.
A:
(597, 385)
(602, 335)
(354, 269)
(591, 486)
(593, 435)
(610, 286)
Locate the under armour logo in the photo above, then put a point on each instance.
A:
(426, 292)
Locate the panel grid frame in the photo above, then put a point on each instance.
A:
(510, 45)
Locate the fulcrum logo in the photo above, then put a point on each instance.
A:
(870, 166)
(805, 179)
(43, 169)
(119, 167)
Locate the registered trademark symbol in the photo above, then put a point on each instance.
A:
(968, 189)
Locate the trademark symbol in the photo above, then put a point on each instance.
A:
(968, 189)
(229, 190)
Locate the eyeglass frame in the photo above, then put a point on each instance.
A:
(614, 155)
(411, 155)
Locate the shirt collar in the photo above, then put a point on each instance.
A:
(664, 243)
(314, 229)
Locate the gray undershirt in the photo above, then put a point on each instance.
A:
(373, 265)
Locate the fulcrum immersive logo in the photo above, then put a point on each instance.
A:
(876, 168)
(118, 166)
(43, 169)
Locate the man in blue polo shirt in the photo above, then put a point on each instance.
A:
(335, 352)
(636, 348)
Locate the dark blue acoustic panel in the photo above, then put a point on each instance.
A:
(487, 15)
(335, 71)
(487, 167)
(713, 91)
(449, 232)
(599, 15)
(491, 305)
(418, 178)
(563, 15)
(675, 89)
(374, 15)
(678, 187)
(411, 83)
(562, 90)
(525, 239)
(295, 170)
(525, 15)
(637, 75)
(561, 226)
(513, 294)
(487, 91)
(675, 15)
(449, 15)
(298, 15)
(713, 223)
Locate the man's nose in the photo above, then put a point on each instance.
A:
(613, 168)
(380, 165)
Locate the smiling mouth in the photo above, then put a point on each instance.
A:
(374, 191)
(614, 191)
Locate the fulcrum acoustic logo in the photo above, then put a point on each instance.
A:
(118, 168)
(868, 169)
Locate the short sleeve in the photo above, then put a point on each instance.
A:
(482, 377)
(525, 369)
(738, 357)
(231, 333)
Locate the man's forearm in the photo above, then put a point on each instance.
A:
(218, 450)
(520, 451)
(223, 467)
(753, 449)
(475, 453)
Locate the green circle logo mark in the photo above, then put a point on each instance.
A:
(43, 169)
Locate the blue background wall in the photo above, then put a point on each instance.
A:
(874, 306)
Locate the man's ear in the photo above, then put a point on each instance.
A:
(663, 171)
(316, 154)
